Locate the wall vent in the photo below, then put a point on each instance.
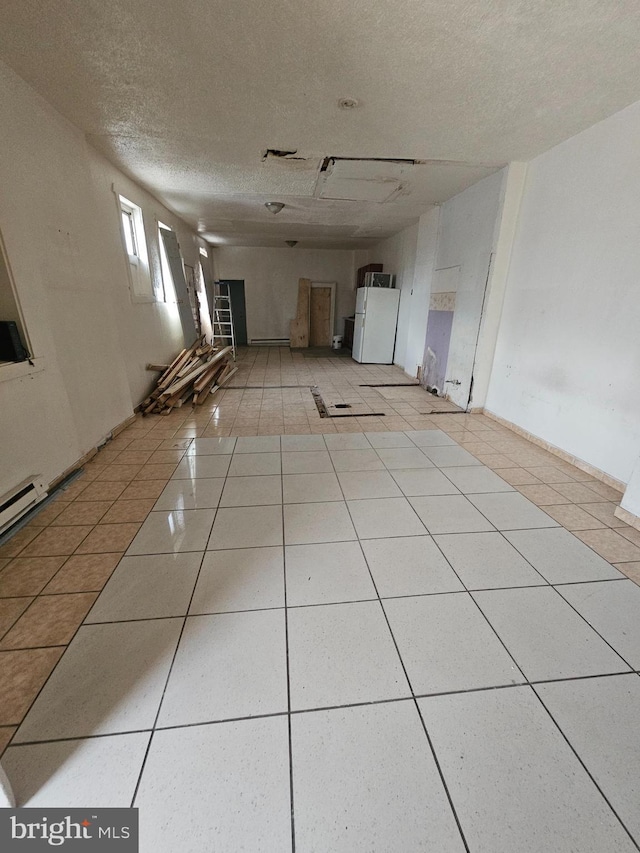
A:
(20, 500)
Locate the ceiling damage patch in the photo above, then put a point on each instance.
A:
(291, 159)
(354, 179)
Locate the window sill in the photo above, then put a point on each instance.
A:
(19, 369)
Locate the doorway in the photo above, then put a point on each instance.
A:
(238, 308)
(321, 311)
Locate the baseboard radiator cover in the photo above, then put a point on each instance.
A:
(269, 342)
(19, 500)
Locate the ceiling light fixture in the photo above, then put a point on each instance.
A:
(274, 206)
(291, 243)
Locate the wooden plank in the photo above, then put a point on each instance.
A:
(178, 365)
(320, 317)
(208, 377)
(299, 327)
(186, 380)
(228, 377)
(158, 368)
(189, 366)
(180, 355)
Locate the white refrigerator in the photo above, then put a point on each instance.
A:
(374, 332)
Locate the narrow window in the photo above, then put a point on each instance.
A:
(135, 246)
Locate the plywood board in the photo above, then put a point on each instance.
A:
(299, 327)
(320, 317)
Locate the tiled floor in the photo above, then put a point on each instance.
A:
(400, 639)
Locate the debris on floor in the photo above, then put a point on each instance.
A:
(196, 372)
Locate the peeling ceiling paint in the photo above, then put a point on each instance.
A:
(187, 97)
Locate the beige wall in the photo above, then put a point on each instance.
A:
(61, 231)
(271, 283)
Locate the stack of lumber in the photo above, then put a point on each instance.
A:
(195, 373)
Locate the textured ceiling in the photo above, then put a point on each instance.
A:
(186, 97)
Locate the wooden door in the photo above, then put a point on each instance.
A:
(320, 317)
(180, 285)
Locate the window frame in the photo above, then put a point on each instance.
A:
(141, 288)
(35, 363)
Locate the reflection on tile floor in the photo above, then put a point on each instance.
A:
(402, 635)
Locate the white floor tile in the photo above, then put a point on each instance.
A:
(446, 644)
(258, 444)
(388, 439)
(109, 680)
(191, 494)
(411, 565)
(476, 479)
(365, 780)
(173, 531)
(356, 460)
(311, 488)
(252, 491)
(222, 787)
(63, 774)
(347, 441)
(341, 654)
(514, 781)
(398, 458)
(209, 446)
(148, 587)
(382, 517)
(302, 442)
(511, 511)
(487, 560)
(227, 666)
(254, 464)
(307, 462)
(242, 579)
(368, 484)
(450, 514)
(246, 527)
(196, 467)
(327, 573)
(425, 481)
(305, 524)
(429, 438)
(613, 609)
(561, 557)
(449, 457)
(599, 716)
(545, 636)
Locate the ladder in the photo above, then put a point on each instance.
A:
(223, 330)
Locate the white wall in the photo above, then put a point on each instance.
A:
(421, 290)
(567, 362)
(631, 499)
(61, 231)
(467, 238)
(271, 283)
(398, 255)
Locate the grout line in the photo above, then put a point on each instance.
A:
(167, 679)
(433, 752)
(286, 631)
(320, 708)
(585, 768)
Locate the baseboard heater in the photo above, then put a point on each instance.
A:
(269, 342)
(20, 500)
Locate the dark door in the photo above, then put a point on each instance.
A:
(238, 308)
